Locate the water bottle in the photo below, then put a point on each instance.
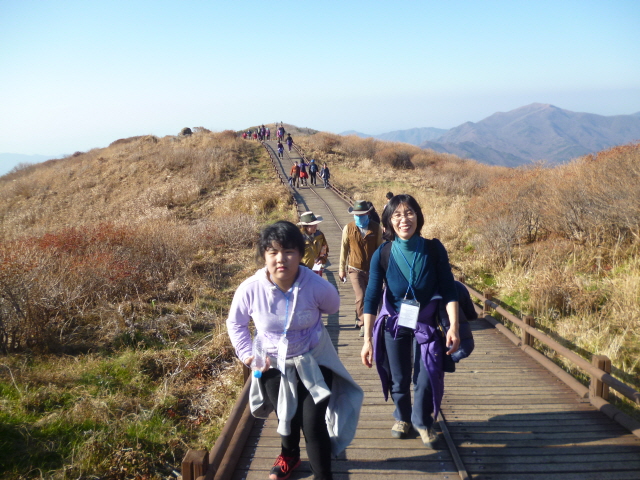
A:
(259, 355)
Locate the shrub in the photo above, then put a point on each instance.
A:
(395, 158)
(49, 283)
(596, 199)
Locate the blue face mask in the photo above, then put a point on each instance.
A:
(362, 221)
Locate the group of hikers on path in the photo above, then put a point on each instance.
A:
(260, 134)
(299, 175)
(263, 133)
(289, 142)
(402, 284)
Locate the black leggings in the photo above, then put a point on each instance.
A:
(309, 416)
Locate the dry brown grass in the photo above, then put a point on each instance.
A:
(558, 242)
(143, 219)
(124, 259)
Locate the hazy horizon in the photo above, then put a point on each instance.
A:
(83, 74)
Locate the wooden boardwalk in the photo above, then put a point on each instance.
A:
(509, 417)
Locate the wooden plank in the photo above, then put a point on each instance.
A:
(610, 475)
(359, 474)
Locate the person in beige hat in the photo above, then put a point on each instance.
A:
(316, 249)
(360, 239)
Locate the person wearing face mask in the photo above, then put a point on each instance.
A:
(360, 239)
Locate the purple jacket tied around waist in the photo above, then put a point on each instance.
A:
(427, 336)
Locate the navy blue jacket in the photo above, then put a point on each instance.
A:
(431, 280)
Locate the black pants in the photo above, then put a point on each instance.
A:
(310, 417)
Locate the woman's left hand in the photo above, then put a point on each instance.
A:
(453, 341)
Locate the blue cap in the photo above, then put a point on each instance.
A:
(257, 373)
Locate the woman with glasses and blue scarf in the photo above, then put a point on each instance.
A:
(405, 339)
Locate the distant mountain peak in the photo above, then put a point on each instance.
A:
(539, 131)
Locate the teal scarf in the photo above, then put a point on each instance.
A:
(403, 252)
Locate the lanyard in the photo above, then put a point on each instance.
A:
(410, 279)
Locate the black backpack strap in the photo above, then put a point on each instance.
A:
(385, 253)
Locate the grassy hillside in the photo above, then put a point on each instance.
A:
(117, 267)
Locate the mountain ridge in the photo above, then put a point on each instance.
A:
(534, 132)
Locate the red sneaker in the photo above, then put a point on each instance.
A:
(283, 467)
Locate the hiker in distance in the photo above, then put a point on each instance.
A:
(295, 175)
(405, 336)
(286, 302)
(388, 196)
(316, 249)
(360, 239)
(325, 175)
(313, 171)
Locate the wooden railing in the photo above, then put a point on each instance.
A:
(221, 461)
(599, 369)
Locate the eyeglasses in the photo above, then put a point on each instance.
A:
(409, 215)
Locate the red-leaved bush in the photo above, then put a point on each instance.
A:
(49, 285)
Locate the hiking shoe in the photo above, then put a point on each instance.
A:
(283, 467)
(361, 331)
(428, 435)
(400, 429)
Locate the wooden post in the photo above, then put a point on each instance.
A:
(194, 464)
(597, 388)
(486, 309)
(527, 339)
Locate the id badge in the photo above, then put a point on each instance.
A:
(408, 316)
(283, 345)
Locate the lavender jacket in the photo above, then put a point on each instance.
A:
(257, 298)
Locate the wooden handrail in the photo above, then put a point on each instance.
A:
(197, 464)
(594, 394)
(614, 383)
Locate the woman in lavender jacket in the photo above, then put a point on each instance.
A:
(303, 380)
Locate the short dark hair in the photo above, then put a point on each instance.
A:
(389, 195)
(395, 202)
(284, 233)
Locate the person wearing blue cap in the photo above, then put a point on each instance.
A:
(360, 239)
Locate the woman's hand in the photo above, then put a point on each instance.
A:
(367, 353)
(453, 342)
(267, 363)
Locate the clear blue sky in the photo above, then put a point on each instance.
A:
(76, 75)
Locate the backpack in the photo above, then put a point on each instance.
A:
(467, 343)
